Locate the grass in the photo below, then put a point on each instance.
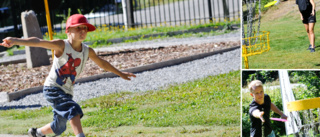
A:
(205, 107)
(289, 43)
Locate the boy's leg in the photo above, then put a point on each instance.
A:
(272, 134)
(76, 125)
(46, 129)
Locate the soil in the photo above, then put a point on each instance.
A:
(15, 77)
(287, 8)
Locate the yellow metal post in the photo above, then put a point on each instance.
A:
(49, 23)
(246, 62)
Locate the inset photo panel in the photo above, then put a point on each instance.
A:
(280, 103)
(280, 34)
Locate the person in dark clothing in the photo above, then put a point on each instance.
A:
(259, 111)
(308, 17)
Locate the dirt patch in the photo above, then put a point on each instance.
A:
(15, 77)
(285, 8)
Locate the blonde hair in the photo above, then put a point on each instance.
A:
(254, 84)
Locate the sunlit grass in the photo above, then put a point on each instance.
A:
(209, 106)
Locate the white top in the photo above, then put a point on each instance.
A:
(67, 68)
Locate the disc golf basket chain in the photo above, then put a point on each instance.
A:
(254, 41)
(309, 110)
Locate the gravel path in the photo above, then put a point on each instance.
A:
(149, 80)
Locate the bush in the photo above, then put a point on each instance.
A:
(311, 80)
(264, 76)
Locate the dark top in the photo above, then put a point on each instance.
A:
(256, 128)
(304, 5)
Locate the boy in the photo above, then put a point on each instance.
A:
(259, 111)
(70, 57)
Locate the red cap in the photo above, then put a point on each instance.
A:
(79, 19)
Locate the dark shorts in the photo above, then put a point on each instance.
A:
(307, 18)
(64, 108)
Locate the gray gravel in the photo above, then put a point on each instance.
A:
(149, 80)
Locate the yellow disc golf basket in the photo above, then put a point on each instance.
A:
(255, 45)
(254, 41)
(309, 109)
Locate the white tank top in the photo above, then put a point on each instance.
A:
(67, 68)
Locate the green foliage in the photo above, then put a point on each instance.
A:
(64, 17)
(263, 76)
(311, 80)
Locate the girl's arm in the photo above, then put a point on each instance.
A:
(56, 45)
(107, 66)
(313, 7)
(275, 109)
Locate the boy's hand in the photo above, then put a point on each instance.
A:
(7, 42)
(258, 114)
(261, 116)
(283, 116)
(126, 75)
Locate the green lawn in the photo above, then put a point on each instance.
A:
(289, 43)
(205, 107)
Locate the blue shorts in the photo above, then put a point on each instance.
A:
(64, 108)
(272, 134)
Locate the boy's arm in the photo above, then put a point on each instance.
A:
(107, 66)
(275, 109)
(56, 45)
(258, 114)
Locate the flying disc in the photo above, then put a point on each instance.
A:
(270, 4)
(279, 119)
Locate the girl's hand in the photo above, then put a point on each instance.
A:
(301, 17)
(7, 42)
(126, 75)
(312, 13)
